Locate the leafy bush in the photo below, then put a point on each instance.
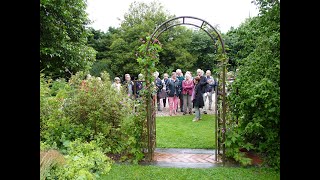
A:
(96, 104)
(83, 160)
(134, 133)
(92, 110)
(255, 94)
(48, 104)
(55, 127)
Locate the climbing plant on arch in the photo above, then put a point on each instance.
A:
(149, 57)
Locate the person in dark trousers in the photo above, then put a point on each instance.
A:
(197, 98)
(203, 82)
(181, 78)
(165, 81)
(159, 86)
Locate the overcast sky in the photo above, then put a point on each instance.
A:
(225, 13)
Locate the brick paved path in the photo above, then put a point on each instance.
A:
(185, 156)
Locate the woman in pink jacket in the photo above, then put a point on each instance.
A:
(187, 88)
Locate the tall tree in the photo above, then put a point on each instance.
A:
(102, 42)
(63, 38)
(138, 22)
(204, 48)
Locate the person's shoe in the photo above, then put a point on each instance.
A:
(190, 112)
(175, 112)
(184, 113)
(195, 119)
(205, 112)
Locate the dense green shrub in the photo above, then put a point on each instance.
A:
(82, 161)
(90, 109)
(133, 128)
(54, 125)
(255, 94)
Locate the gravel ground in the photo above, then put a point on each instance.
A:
(165, 110)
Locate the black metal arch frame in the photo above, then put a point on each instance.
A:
(208, 28)
(166, 25)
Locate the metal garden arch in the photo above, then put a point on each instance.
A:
(220, 117)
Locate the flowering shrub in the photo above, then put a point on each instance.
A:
(92, 111)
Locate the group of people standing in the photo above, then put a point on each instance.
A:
(184, 92)
(129, 86)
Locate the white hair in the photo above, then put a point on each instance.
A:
(178, 71)
(201, 71)
(188, 75)
(156, 73)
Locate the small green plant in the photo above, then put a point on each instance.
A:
(235, 141)
(83, 161)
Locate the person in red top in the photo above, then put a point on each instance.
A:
(187, 88)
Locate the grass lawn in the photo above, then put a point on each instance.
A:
(153, 172)
(181, 132)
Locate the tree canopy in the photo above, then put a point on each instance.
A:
(63, 38)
